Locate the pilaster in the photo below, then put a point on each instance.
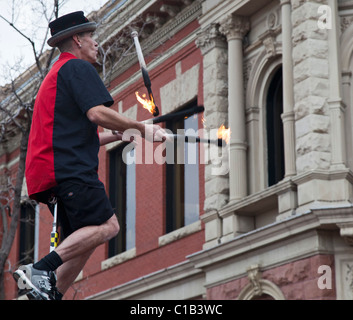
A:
(213, 47)
(336, 105)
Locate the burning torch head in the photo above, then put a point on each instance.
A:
(148, 104)
(151, 106)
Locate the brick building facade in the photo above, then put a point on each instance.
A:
(268, 217)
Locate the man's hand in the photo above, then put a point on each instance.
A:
(154, 132)
(112, 136)
(110, 119)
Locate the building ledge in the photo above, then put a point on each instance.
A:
(295, 237)
(178, 282)
(118, 259)
(179, 233)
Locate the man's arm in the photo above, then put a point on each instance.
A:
(110, 119)
(109, 136)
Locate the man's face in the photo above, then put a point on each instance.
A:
(89, 49)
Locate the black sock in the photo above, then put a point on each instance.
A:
(58, 295)
(50, 262)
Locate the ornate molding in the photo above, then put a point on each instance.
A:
(254, 275)
(272, 20)
(258, 286)
(234, 27)
(210, 38)
(349, 276)
(268, 39)
(345, 23)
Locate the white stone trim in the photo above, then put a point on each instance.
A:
(178, 282)
(179, 233)
(118, 259)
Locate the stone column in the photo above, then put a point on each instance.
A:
(287, 197)
(213, 47)
(288, 93)
(234, 28)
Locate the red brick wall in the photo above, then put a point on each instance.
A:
(143, 264)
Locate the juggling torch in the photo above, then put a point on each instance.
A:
(145, 75)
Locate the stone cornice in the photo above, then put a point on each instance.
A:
(309, 223)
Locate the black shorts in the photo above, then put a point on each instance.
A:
(80, 205)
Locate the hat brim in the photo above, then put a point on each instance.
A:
(62, 35)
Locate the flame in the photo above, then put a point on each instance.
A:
(224, 133)
(147, 104)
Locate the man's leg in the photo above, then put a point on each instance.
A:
(79, 242)
(68, 272)
(72, 255)
(87, 238)
(83, 205)
(77, 248)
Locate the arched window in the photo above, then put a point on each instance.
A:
(274, 126)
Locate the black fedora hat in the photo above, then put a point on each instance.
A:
(68, 25)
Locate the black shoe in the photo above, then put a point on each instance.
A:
(38, 284)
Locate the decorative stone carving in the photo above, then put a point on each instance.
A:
(254, 276)
(272, 20)
(345, 23)
(349, 276)
(235, 27)
(209, 38)
(268, 39)
(258, 286)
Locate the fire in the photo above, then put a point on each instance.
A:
(224, 133)
(147, 104)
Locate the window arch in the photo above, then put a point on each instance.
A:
(268, 291)
(261, 76)
(258, 288)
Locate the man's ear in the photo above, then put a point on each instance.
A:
(77, 40)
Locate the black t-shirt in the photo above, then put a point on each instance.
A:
(63, 142)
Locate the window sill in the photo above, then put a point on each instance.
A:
(118, 259)
(179, 233)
